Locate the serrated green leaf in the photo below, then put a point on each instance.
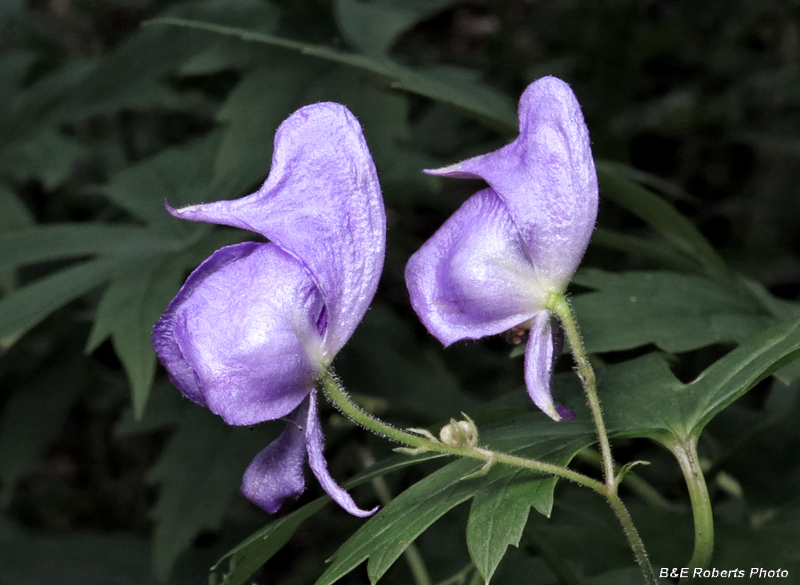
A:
(642, 398)
(373, 27)
(477, 100)
(43, 243)
(677, 312)
(384, 537)
(497, 519)
(659, 214)
(199, 471)
(27, 306)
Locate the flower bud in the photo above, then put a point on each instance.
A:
(459, 433)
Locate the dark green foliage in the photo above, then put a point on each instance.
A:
(687, 297)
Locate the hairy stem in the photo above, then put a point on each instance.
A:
(336, 394)
(636, 484)
(558, 304)
(634, 540)
(331, 387)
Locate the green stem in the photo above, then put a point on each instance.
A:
(634, 540)
(608, 490)
(636, 484)
(558, 304)
(331, 387)
(686, 454)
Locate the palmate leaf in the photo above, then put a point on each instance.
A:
(498, 516)
(642, 398)
(676, 312)
(384, 537)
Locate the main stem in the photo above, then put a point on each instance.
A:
(686, 454)
(559, 305)
(634, 540)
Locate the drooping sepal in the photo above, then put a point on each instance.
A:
(277, 472)
(316, 459)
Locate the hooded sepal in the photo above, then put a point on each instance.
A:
(322, 204)
(547, 179)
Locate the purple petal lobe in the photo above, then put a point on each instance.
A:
(547, 179)
(565, 413)
(315, 445)
(473, 277)
(277, 472)
(539, 358)
(322, 204)
(241, 335)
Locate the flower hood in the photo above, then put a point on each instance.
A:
(257, 324)
(493, 263)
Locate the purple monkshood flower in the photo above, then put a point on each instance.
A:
(493, 263)
(256, 324)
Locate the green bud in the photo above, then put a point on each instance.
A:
(459, 433)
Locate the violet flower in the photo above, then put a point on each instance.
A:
(256, 324)
(493, 263)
